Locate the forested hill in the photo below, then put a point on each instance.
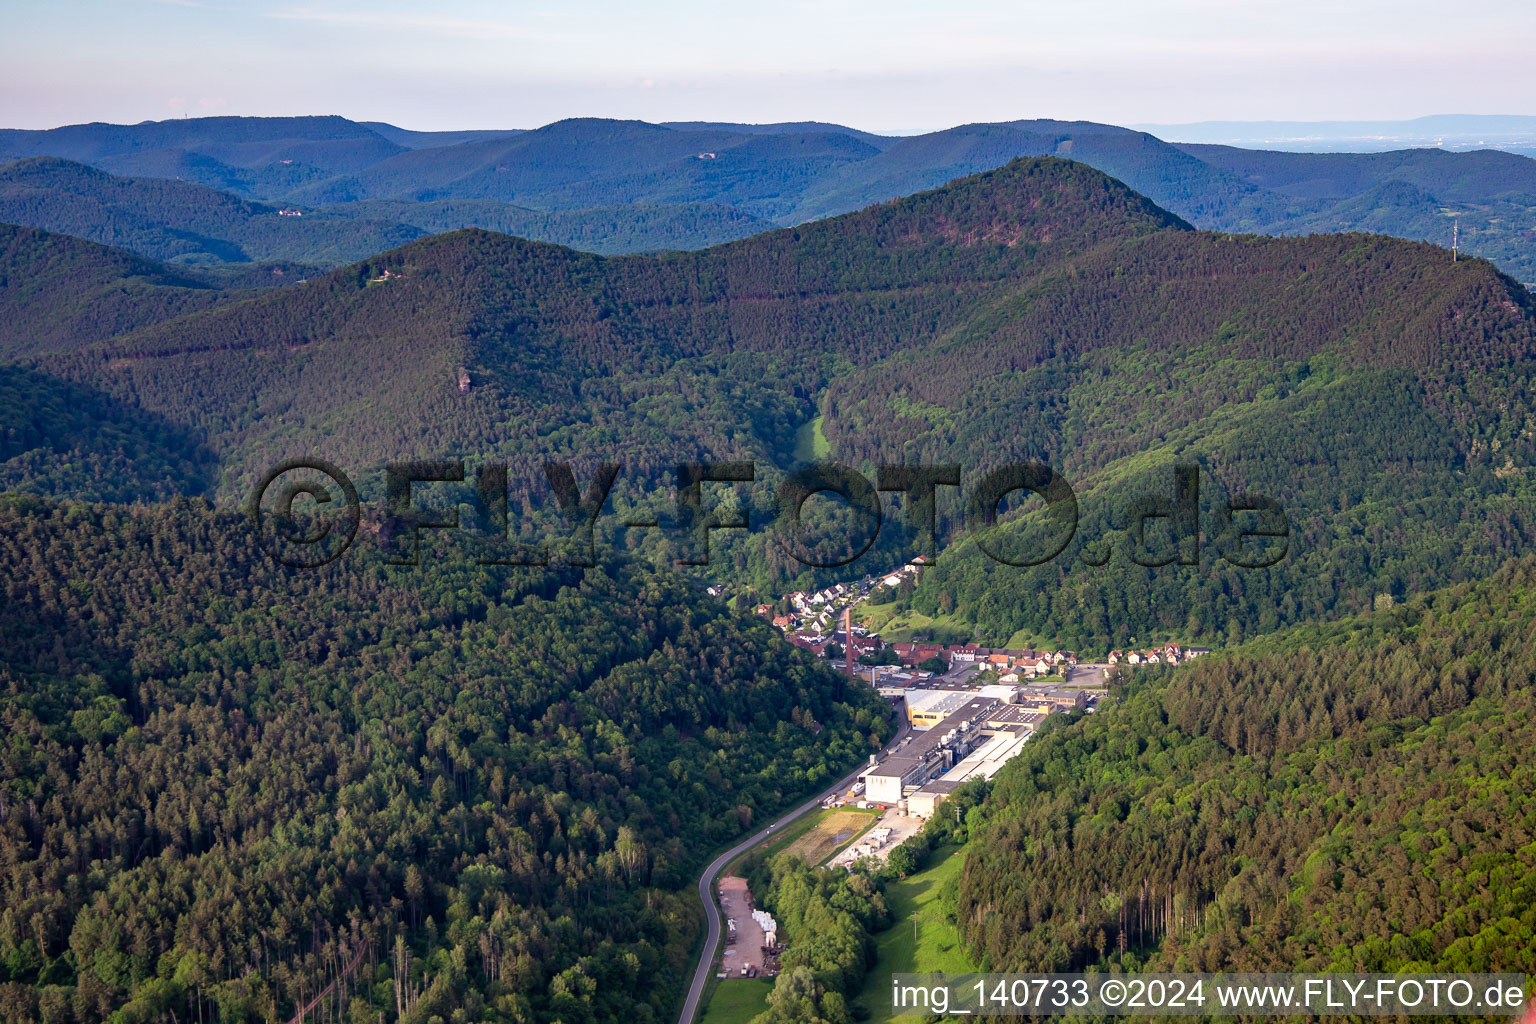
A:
(1352, 797)
(59, 292)
(1334, 375)
(1374, 388)
(468, 794)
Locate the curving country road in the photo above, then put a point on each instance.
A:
(707, 880)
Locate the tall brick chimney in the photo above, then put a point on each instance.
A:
(848, 651)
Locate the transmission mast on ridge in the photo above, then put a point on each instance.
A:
(1456, 240)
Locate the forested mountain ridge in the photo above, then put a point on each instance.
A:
(1328, 374)
(1041, 311)
(225, 785)
(614, 186)
(1349, 797)
(253, 155)
(583, 162)
(606, 230)
(561, 348)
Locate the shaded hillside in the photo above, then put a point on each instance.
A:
(64, 440)
(783, 128)
(428, 140)
(258, 156)
(594, 162)
(1421, 194)
(1458, 177)
(1323, 373)
(60, 292)
(1174, 180)
(181, 221)
(1353, 797)
(238, 140)
(192, 224)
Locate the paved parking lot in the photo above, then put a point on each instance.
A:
(1086, 675)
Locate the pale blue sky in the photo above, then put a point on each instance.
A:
(883, 66)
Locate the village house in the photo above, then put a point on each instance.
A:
(815, 644)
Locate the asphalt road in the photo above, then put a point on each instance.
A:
(707, 880)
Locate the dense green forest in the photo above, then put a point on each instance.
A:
(225, 786)
(65, 440)
(623, 228)
(1352, 797)
(1355, 430)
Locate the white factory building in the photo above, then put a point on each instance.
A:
(973, 738)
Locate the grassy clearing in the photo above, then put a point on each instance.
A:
(736, 1001)
(833, 830)
(874, 616)
(811, 444)
(894, 626)
(799, 829)
(931, 944)
(1026, 638)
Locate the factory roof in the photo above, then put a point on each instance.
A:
(896, 766)
(1006, 715)
(989, 758)
(941, 702)
(976, 709)
(945, 786)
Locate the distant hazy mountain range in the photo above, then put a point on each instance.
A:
(352, 189)
(1446, 131)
